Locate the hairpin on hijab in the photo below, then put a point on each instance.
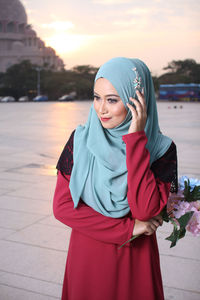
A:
(137, 82)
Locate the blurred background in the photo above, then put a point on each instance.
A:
(55, 48)
(49, 54)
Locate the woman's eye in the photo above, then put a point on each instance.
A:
(96, 97)
(110, 100)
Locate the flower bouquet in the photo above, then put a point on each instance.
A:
(182, 210)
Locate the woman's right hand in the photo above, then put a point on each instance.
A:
(147, 227)
(139, 113)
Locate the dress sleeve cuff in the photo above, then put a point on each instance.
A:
(134, 136)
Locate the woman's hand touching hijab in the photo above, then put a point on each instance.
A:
(139, 113)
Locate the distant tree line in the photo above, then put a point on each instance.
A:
(179, 71)
(21, 79)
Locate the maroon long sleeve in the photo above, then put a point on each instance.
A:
(147, 195)
(86, 220)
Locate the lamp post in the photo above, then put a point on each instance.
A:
(38, 69)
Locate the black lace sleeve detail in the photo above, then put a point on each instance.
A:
(165, 168)
(65, 162)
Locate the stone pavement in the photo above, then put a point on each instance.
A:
(33, 245)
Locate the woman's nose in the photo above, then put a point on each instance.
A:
(103, 107)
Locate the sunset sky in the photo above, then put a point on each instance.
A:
(93, 31)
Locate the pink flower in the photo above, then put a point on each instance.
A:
(194, 224)
(195, 205)
(181, 208)
(173, 199)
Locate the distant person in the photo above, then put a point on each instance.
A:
(114, 177)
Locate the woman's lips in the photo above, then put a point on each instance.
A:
(105, 119)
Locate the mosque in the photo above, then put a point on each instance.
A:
(18, 41)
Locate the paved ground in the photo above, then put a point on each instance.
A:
(33, 245)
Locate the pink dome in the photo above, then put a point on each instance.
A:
(12, 11)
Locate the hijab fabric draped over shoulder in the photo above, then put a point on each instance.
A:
(99, 174)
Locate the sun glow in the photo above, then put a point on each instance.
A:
(59, 25)
(61, 39)
(64, 42)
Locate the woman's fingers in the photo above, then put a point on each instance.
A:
(141, 99)
(138, 105)
(133, 110)
(145, 227)
(139, 115)
(155, 223)
(152, 226)
(159, 219)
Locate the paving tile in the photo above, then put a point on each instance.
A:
(34, 169)
(40, 190)
(39, 263)
(5, 232)
(5, 191)
(51, 221)
(9, 162)
(11, 293)
(44, 236)
(24, 178)
(40, 287)
(188, 247)
(25, 205)
(181, 273)
(17, 220)
(175, 294)
(13, 184)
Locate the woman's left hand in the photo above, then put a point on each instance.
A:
(139, 113)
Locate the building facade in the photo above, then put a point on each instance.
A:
(18, 41)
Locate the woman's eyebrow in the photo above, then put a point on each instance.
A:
(110, 95)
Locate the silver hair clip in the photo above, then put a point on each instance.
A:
(137, 82)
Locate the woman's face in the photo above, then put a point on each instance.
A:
(108, 105)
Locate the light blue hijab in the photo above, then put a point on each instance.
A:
(99, 174)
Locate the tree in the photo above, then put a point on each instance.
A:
(85, 70)
(181, 71)
(19, 80)
(84, 80)
(181, 66)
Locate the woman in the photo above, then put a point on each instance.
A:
(114, 178)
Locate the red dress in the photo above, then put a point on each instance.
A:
(96, 268)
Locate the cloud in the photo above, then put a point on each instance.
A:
(111, 2)
(139, 11)
(122, 24)
(59, 25)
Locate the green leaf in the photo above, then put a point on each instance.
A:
(195, 194)
(182, 233)
(183, 220)
(164, 214)
(172, 220)
(178, 234)
(133, 237)
(173, 238)
(191, 195)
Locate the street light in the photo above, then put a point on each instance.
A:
(38, 69)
